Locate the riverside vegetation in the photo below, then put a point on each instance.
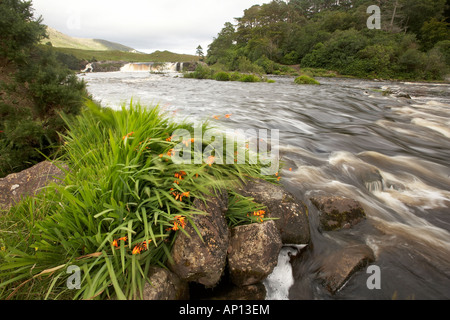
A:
(118, 210)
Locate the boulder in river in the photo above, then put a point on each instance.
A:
(253, 252)
(342, 264)
(338, 212)
(203, 261)
(291, 214)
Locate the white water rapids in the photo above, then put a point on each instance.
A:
(341, 138)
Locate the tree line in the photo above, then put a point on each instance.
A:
(413, 42)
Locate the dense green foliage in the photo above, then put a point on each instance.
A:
(304, 79)
(36, 88)
(119, 208)
(333, 35)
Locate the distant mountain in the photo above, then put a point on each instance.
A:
(61, 40)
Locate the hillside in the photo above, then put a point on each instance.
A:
(110, 55)
(61, 40)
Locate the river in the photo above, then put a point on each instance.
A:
(340, 138)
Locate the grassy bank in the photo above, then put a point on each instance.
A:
(118, 210)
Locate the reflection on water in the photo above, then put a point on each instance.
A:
(342, 138)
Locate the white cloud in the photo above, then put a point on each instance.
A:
(178, 26)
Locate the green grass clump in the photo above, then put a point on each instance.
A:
(250, 78)
(304, 79)
(118, 210)
(222, 76)
(244, 210)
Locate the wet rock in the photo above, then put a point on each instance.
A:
(401, 94)
(28, 182)
(253, 252)
(292, 214)
(338, 212)
(165, 285)
(203, 261)
(342, 264)
(255, 291)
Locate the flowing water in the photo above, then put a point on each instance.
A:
(341, 138)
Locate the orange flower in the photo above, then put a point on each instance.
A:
(136, 250)
(115, 243)
(210, 160)
(127, 135)
(169, 138)
(216, 117)
(228, 115)
(179, 222)
(278, 179)
(140, 247)
(290, 169)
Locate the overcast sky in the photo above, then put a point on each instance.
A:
(145, 25)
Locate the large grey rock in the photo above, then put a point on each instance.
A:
(253, 252)
(292, 215)
(165, 285)
(28, 182)
(338, 212)
(204, 261)
(338, 267)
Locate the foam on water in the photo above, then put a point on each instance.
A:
(281, 279)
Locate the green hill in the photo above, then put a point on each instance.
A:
(61, 40)
(114, 55)
(103, 50)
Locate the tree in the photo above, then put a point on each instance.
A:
(19, 30)
(221, 45)
(200, 52)
(434, 31)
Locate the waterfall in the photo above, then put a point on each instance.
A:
(137, 67)
(153, 67)
(89, 68)
(281, 279)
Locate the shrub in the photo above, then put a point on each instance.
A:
(222, 76)
(235, 76)
(304, 79)
(201, 72)
(36, 89)
(250, 78)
